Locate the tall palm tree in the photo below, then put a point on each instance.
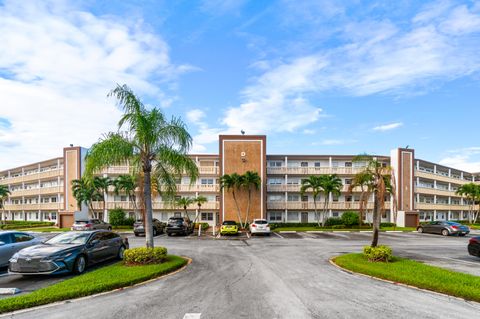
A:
(85, 193)
(4, 194)
(150, 143)
(362, 180)
(232, 183)
(250, 181)
(200, 200)
(330, 184)
(127, 184)
(313, 183)
(185, 202)
(101, 185)
(379, 184)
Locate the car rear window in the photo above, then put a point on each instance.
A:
(175, 220)
(229, 222)
(260, 222)
(454, 224)
(81, 222)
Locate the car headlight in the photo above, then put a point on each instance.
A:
(14, 258)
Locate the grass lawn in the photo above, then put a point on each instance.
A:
(416, 274)
(313, 228)
(100, 280)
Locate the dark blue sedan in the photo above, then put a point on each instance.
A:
(68, 252)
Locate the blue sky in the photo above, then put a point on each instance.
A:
(318, 77)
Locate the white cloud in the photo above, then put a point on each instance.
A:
(57, 63)
(309, 131)
(467, 159)
(387, 127)
(331, 142)
(195, 116)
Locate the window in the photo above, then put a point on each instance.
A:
(207, 216)
(275, 198)
(5, 238)
(335, 198)
(304, 164)
(275, 216)
(348, 181)
(293, 198)
(275, 181)
(206, 181)
(177, 214)
(334, 214)
(348, 164)
(20, 238)
(53, 199)
(305, 198)
(334, 164)
(348, 198)
(275, 164)
(292, 216)
(54, 215)
(317, 164)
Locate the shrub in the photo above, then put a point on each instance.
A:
(145, 256)
(349, 219)
(128, 221)
(338, 226)
(378, 254)
(332, 221)
(387, 224)
(117, 217)
(204, 225)
(277, 225)
(14, 224)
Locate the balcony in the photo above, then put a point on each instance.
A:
(314, 170)
(296, 188)
(434, 191)
(38, 206)
(155, 205)
(433, 176)
(58, 172)
(310, 205)
(116, 170)
(430, 206)
(208, 170)
(197, 188)
(37, 191)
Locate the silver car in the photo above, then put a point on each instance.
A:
(13, 241)
(90, 224)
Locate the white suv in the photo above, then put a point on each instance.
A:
(260, 226)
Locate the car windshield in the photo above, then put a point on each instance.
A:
(175, 220)
(229, 222)
(260, 222)
(81, 222)
(69, 238)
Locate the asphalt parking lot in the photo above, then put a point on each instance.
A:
(281, 276)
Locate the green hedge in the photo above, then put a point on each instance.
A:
(349, 219)
(387, 224)
(9, 224)
(204, 225)
(378, 254)
(277, 225)
(145, 256)
(332, 221)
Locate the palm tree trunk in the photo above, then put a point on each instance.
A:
(360, 213)
(376, 223)
(316, 212)
(238, 209)
(147, 194)
(247, 217)
(199, 224)
(325, 206)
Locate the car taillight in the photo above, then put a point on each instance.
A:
(455, 227)
(88, 225)
(253, 225)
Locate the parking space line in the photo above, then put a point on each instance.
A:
(192, 316)
(278, 235)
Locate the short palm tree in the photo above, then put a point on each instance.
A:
(101, 185)
(151, 144)
(379, 184)
(127, 184)
(4, 194)
(185, 202)
(313, 183)
(85, 193)
(471, 192)
(232, 183)
(200, 200)
(330, 184)
(250, 181)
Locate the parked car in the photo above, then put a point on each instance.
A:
(179, 225)
(445, 228)
(13, 241)
(474, 246)
(158, 227)
(68, 252)
(260, 226)
(229, 227)
(90, 224)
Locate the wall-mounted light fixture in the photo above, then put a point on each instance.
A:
(243, 156)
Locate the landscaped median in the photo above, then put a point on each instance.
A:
(100, 280)
(414, 273)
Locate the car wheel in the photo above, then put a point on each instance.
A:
(136, 235)
(420, 229)
(169, 234)
(462, 235)
(79, 265)
(445, 232)
(120, 252)
(109, 228)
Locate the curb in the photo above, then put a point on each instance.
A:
(398, 283)
(16, 312)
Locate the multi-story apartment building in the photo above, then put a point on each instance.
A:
(425, 190)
